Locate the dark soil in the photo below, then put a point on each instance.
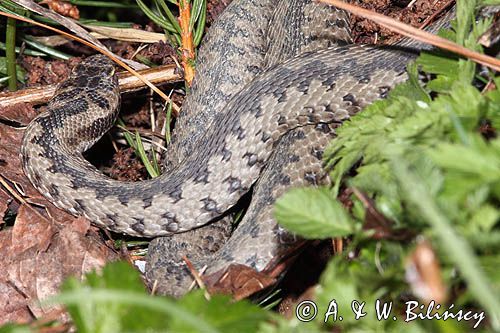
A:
(367, 32)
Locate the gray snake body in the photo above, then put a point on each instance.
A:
(290, 100)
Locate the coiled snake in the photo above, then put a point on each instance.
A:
(255, 110)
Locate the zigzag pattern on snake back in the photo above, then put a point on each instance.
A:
(319, 88)
(293, 27)
(230, 160)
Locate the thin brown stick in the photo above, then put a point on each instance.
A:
(338, 245)
(420, 35)
(175, 107)
(128, 82)
(197, 277)
(436, 13)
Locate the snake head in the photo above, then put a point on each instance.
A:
(85, 105)
(93, 79)
(96, 66)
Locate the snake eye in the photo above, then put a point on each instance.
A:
(109, 71)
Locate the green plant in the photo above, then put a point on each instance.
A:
(429, 170)
(163, 16)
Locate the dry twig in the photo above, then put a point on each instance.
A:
(187, 46)
(128, 82)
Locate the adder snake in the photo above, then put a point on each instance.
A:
(271, 81)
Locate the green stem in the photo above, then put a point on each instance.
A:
(10, 53)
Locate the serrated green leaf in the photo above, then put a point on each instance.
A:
(438, 63)
(474, 161)
(485, 218)
(313, 213)
(441, 83)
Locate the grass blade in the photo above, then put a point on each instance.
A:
(10, 41)
(171, 18)
(155, 18)
(46, 49)
(144, 157)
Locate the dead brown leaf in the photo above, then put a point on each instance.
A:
(238, 280)
(13, 304)
(21, 114)
(423, 273)
(45, 246)
(38, 253)
(10, 163)
(4, 205)
(31, 230)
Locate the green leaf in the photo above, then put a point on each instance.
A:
(490, 2)
(161, 21)
(465, 18)
(313, 213)
(282, 325)
(104, 4)
(438, 63)
(485, 218)
(200, 26)
(493, 105)
(125, 311)
(413, 88)
(115, 301)
(45, 49)
(337, 284)
(169, 16)
(25, 51)
(478, 160)
(220, 312)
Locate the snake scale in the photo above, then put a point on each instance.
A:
(274, 80)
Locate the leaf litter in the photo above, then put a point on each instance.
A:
(45, 245)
